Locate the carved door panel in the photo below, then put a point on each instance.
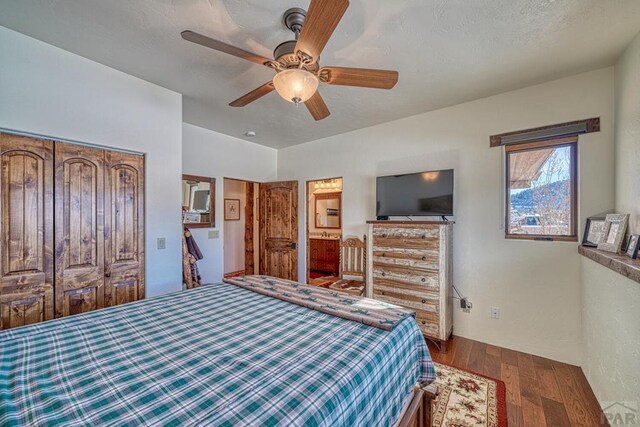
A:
(124, 230)
(26, 230)
(79, 229)
(279, 229)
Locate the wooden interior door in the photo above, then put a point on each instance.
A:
(124, 228)
(26, 231)
(279, 229)
(79, 229)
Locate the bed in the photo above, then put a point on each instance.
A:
(216, 355)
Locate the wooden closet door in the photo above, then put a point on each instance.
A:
(79, 225)
(279, 229)
(26, 230)
(124, 231)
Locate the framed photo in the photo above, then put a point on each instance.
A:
(633, 246)
(594, 231)
(616, 228)
(232, 209)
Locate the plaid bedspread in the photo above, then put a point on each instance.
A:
(217, 356)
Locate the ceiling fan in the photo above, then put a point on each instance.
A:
(296, 62)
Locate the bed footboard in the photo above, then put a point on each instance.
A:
(418, 413)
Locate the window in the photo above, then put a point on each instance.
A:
(541, 190)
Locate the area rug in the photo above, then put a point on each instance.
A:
(468, 399)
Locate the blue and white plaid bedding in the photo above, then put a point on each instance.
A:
(216, 356)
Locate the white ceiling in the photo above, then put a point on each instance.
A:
(446, 51)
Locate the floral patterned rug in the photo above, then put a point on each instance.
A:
(468, 399)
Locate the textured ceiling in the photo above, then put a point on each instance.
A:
(447, 52)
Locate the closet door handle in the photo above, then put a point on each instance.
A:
(424, 301)
(424, 258)
(424, 280)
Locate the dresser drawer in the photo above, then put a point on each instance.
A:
(426, 260)
(411, 298)
(418, 243)
(429, 323)
(412, 276)
(400, 231)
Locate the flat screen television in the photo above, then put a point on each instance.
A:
(421, 194)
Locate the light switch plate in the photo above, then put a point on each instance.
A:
(214, 234)
(162, 243)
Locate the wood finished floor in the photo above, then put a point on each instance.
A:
(540, 392)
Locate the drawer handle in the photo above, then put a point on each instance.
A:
(424, 280)
(424, 258)
(424, 236)
(424, 301)
(384, 235)
(424, 323)
(383, 274)
(383, 254)
(381, 292)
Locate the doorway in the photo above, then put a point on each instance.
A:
(324, 231)
(260, 223)
(241, 228)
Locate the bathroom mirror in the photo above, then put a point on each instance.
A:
(198, 201)
(328, 210)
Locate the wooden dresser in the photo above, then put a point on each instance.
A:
(410, 264)
(324, 255)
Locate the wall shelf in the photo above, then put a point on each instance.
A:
(619, 263)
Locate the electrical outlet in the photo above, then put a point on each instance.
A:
(162, 243)
(495, 312)
(214, 234)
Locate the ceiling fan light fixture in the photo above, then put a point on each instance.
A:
(295, 85)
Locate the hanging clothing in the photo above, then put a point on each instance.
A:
(192, 246)
(190, 255)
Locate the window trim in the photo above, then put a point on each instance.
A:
(572, 142)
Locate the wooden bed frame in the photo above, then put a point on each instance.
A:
(418, 413)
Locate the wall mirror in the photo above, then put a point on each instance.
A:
(198, 201)
(328, 210)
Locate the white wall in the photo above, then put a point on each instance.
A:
(48, 91)
(536, 284)
(611, 328)
(234, 230)
(627, 95)
(209, 153)
(611, 302)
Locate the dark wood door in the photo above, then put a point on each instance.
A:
(124, 228)
(26, 231)
(79, 229)
(279, 229)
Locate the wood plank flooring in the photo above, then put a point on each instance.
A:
(540, 392)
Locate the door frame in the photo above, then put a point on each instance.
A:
(247, 221)
(307, 211)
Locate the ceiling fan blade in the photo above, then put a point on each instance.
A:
(223, 47)
(360, 77)
(253, 95)
(321, 20)
(317, 107)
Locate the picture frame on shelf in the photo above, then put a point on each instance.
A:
(594, 231)
(616, 229)
(232, 209)
(633, 246)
